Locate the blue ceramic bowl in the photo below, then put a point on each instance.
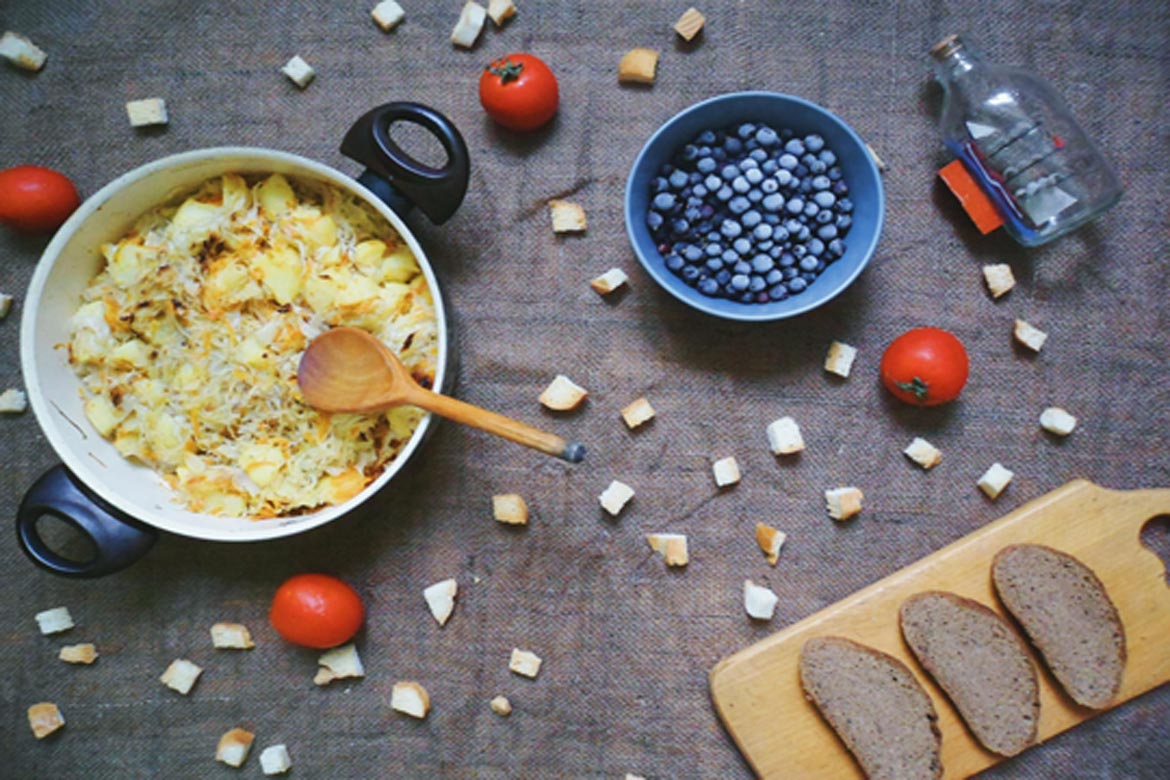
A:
(779, 111)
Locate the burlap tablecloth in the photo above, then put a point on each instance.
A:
(626, 643)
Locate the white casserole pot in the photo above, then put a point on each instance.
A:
(115, 501)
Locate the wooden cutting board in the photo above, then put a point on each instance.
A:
(757, 691)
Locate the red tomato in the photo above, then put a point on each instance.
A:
(925, 367)
(316, 610)
(36, 199)
(519, 91)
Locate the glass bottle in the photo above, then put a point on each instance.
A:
(1018, 140)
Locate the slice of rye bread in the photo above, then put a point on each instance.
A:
(980, 662)
(876, 706)
(1069, 617)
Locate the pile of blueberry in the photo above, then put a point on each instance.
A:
(750, 213)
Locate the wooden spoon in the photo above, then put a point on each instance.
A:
(348, 370)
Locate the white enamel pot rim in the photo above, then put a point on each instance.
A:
(73, 257)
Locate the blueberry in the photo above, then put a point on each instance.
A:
(824, 216)
(834, 174)
(689, 273)
(811, 209)
(778, 292)
(739, 205)
(773, 202)
(664, 201)
(674, 262)
(775, 276)
(742, 267)
(808, 158)
(762, 264)
(827, 157)
(719, 155)
(805, 187)
(729, 256)
(709, 287)
(765, 245)
(814, 143)
(788, 162)
(803, 234)
(799, 251)
(784, 177)
(714, 264)
(753, 175)
(692, 214)
(699, 191)
(759, 155)
(706, 137)
(844, 222)
(795, 146)
(787, 260)
(729, 172)
(740, 185)
(742, 246)
(791, 272)
(762, 231)
(825, 199)
(766, 136)
(795, 206)
(793, 226)
(817, 167)
(678, 179)
(733, 145)
(780, 234)
(821, 183)
(706, 165)
(748, 164)
(836, 247)
(713, 249)
(840, 189)
(724, 193)
(690, 152)
(692, 254)
(827, 232)
(740, 282)
(713, 237)
(772, 218)
(768, 186)
(769, 166)
(800, 170)
(746, 130)
(755, 196)
(653, 220)
(750, 219)
(713, 183)
(844, 205)
(815, 247)
(756, 283)
(680, 226)
(808, 263)
(730, 228)
(775, 252)
(660, 184)
(797, 285)
(723, 277)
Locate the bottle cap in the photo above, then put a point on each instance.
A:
(946, 47)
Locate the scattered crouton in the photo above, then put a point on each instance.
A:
(563, 394)
(387, 15)
(54, 621)
(726, 471)
(440, 597)
(637, 412)
(147, 112)
(524, 663)
(784, 436)
(510, 508)
(638, 66)
(275, 760)
(770, 541)
(181, 675)
(923, 453)
(1029, 335)
(470, 25)
(410, 698)
(5, 304)
(231, 636)
(878, 161)
(999, 279)
(13, 401)
(615, 497)
(609, 281)
(759, 602)
(672, 548)
(233, 747)
(501, 11)
(78, 654)
(839, 359)
(339, 663)
(843, 503)
(299, 72)
(689, 24)
(994, 480)
(22, 52)
(44, 718)
(501, 706)
(1058, 421)
(567, 217)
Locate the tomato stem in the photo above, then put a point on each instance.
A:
(916, 386)
(508, 71)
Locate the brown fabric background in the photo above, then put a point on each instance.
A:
(627, 644)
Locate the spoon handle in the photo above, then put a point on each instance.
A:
(513, 430)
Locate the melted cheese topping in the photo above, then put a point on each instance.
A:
(188, 341)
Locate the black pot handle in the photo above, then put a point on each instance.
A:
(399, 179)
(119, 540)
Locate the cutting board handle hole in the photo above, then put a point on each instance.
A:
(1155, 537)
